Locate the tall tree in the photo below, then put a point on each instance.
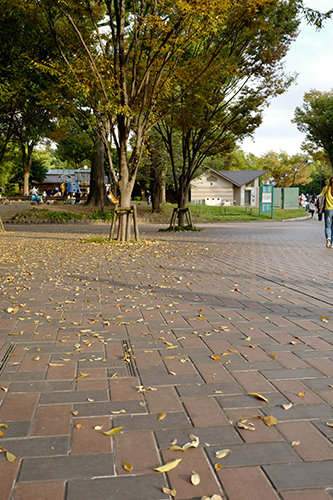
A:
(129, 56)
(227, 103)
(315, 120)
(29, 100)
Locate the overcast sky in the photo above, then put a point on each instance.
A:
(311, 56)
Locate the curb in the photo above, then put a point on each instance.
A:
(306, 217)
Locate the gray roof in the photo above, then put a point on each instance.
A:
(56, 176)
(240, 177)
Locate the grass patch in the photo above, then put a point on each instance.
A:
(204, 213)
(60, 215)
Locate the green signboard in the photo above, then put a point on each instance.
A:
(266, 199)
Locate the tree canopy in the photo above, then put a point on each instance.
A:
(315, 120)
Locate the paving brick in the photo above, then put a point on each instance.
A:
(17, 429)
(150, 422)
(325, 366)
(290, 360)
(125, 389)
(139, 450)
(246, 482)
(53, 420)
(19, 407)
(292, 388)
(92, 384)
(304, 412)
(198, 390)
(179, 367)
(262, 434)
(300, 476)
(313, 445)
(42, 386)
(36, 446)
(88, 441)
(68, 467)
(214, 373)
(246, 401)
(32, 363)
(253, 382)
(306, 495)
(62, 397)
(165, 399)
(302, 374)
(66, 372)
(147, 357)
(8, 473)
(100, 409)
(246, 455)
(45, 491)
(317, 343)
(205, 412)
(194, 460)
(129, 488)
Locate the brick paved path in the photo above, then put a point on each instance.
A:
(143, 321)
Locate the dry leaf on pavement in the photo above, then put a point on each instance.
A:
(113, 431)
(195, 478)
(168, 466)
(259, 396)
(222, 453)
(270, 421)
(167, 491)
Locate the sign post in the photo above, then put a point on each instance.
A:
(266, 201)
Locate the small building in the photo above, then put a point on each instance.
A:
(72, 178)
(227, 187)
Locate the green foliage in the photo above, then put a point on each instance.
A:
(315, 120)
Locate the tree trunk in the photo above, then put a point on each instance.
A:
(94, 197)
(125, 189)
(181, 201)
(26, 163)
(163, 189)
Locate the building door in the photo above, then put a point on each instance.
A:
(247, 198)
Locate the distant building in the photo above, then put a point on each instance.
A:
(72, 178)
(227, 187)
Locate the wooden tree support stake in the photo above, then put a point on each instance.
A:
(175, 214)
(2, 229)
(125, 212)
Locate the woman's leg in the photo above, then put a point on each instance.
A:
(328, 214)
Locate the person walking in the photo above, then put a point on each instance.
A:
(328, 212)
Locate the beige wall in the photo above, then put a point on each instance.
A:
(211, 186)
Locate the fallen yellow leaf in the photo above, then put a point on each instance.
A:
(195, 478)
(167, 491)
(127, 467)
(113, 431)
(161, 416)
(270, 421)
(10, 457)
(216, 357)
(222, 453)
(259, 396)
(82, 375)
(168, 466)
